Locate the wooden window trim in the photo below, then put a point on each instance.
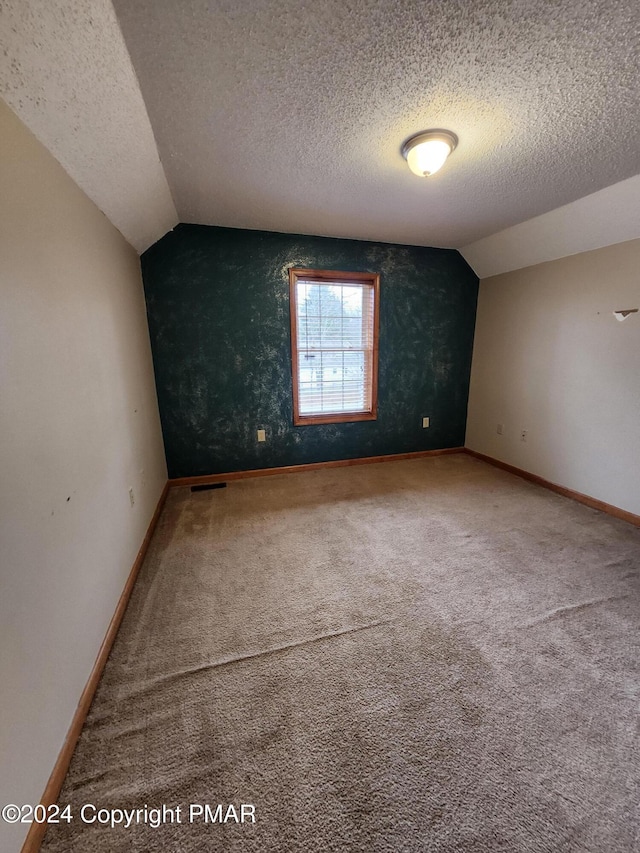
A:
(320, 277)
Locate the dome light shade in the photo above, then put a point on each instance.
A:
(426, 152)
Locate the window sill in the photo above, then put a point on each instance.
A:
(336, 418)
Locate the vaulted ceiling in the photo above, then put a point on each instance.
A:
(288, 115)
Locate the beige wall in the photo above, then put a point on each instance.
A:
(78, 426)
(549, 357)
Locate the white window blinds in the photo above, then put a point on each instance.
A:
(334, 347)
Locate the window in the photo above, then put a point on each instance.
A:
(334, 345)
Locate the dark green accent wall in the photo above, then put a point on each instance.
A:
(218, 308)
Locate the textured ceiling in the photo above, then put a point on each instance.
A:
(66, 72)
(608, 216)
(289, 114)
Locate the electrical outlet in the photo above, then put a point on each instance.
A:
(523, 435)
(499, 429)
(262, 435)
(425, 423)
(132, 498)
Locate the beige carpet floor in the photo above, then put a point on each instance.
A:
(429, 655)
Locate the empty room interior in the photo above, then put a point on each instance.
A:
(320, 426)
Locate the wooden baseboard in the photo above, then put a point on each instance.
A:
(594, 503)
(37, 830)
(208, 479)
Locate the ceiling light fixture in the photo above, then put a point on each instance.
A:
(426, 152)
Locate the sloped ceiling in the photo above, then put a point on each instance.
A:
(611, 215)
(289, 115)
(66, 72)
